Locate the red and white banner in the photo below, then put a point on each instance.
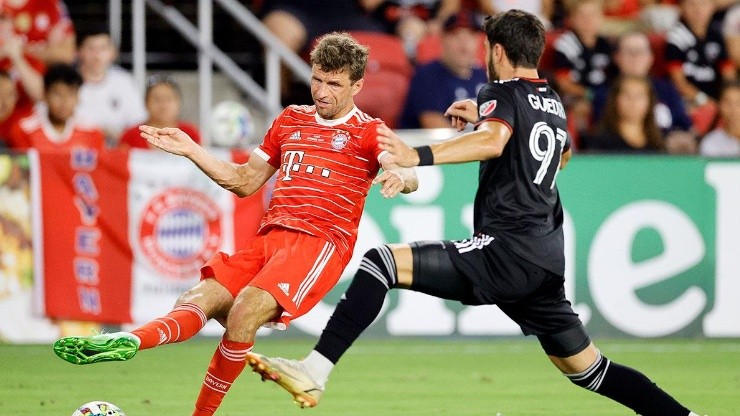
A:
(125, 233)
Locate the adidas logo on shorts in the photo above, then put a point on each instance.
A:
(285, 287)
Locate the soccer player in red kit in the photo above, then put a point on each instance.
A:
(326, 157)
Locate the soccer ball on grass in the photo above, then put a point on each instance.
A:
(98, 408)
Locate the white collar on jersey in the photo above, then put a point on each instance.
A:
(336, 122)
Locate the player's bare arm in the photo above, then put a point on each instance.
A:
(461, 113)
(487, 142)
(395, 179)
(565, 158)
(243, 180)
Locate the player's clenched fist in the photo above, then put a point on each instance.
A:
(401, 154)
(169, 139)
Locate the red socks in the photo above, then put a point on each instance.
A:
(227, 363)
(180, 324)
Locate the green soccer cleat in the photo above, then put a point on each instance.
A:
(118, 346)
(290, 375)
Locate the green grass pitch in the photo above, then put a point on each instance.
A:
(397, 376)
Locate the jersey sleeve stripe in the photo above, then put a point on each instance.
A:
(261, 153)
(498, 120)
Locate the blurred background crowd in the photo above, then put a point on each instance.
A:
(636, 76)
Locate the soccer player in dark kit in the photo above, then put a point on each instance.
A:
(516, 257)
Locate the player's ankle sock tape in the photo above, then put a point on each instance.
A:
(628, 387)
(360, 305)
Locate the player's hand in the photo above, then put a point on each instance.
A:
(169, 139)
(461, 113)
(392, 181)
(399, 152)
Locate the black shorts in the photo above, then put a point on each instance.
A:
(482, 271)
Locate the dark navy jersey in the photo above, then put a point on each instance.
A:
(700, 60)
(517, 200)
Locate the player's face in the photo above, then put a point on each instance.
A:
(493, 74)
(163, 104)
(62, 100)
(332, 92)
(633, 101)
(8, 97)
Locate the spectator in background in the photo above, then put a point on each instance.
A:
(543, 9)
(24, 71)
(412, 20)
(696, 56)
(731, 32)
(8, 100)
(454, 77)
(628, 125)
(582, 58)
(296, 23)
(634, 57)
(46, 27)
(109, 97)
(724, 141)
(53, 125)
(163, 100)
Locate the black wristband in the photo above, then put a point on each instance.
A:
(426, 157)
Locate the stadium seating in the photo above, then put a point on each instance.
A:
(386, 77)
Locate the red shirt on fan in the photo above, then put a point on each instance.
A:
(325, 170)
(132, 137)
(35, 19)
(37, 132)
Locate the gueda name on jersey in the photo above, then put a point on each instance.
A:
(548, 105)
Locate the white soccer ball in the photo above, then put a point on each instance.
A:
(98, 408)
(231, 125)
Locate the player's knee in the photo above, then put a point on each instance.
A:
(565, 344)
(379, 263)
(252, 308)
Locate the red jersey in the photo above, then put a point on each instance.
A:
(35, 19)
(325, 170)
(132, 137)
(37, 132)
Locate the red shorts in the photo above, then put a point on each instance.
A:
(296, 268)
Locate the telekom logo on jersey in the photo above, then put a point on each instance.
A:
(292, 162)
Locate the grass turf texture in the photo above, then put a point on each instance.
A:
(377, 377)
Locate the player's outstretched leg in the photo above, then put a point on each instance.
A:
(359, 307)
(118, 346)
(183, 322)
(291, 375)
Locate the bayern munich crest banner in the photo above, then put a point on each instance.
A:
(124, 233)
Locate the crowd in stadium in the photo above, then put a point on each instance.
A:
(636, 76)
